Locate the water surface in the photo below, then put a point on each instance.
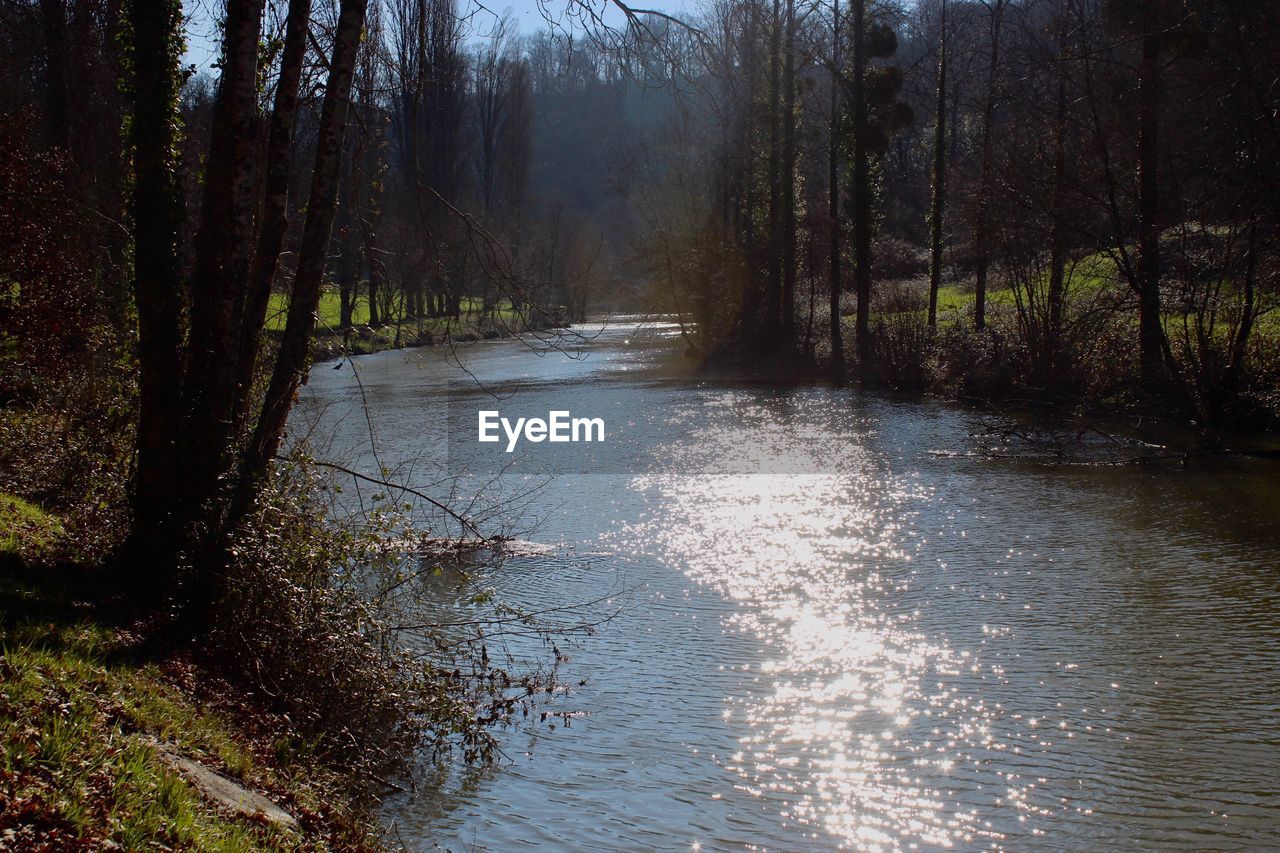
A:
(839, 624)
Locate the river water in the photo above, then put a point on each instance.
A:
(836, 620)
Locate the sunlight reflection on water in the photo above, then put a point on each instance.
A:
(840, 636)
(845, 736)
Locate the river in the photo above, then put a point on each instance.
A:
(838, 619)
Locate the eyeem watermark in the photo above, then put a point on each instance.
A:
(559, 426)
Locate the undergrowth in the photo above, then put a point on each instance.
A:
(85, 708)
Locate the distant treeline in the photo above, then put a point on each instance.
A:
(1089, 188)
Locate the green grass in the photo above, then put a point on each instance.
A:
(24, 526)
(329, 315)
(81, 714)
(1091, 276)
(396, 330)
(76, 760)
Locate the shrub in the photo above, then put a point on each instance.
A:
(326, 618)
(895, 258)
(900, 336)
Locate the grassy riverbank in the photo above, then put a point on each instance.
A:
(1091, 368)
(91, 716)
(396, 330)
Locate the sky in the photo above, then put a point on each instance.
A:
(202, 47)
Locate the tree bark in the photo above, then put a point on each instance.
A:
(1240, 342)
(982, 233)
(833, 199)
(222, 272)
(347, 271)
(861, 192)
(789, 180)
(53, 21)
(1058, 226)
(291, 362)
(937, 208)
(156, 46)
(773, 306)
(1150, 330)
(377, 283)
(275, 203)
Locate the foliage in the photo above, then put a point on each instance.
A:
(324, 617)
(68, 447)
(48, 299)
(900, 336)
(82, 712)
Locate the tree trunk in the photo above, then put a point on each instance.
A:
(222, 273)
(1150, 330)
(1240, 342)
(291, 362)
(861, 192)
(982, 231)
(347, 271)
(1058, 227)
(833, 199)
(937, 208)
(275, 205)
(789, 180)
(371, 267)
(369, 230)
(773, 305)
(53, 21)
(156, 28)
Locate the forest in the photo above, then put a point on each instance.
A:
(1064, 207)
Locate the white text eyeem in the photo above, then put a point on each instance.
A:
(559, 426)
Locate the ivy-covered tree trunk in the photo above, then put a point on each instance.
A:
(224, 246)
(153, 51)
(187, 445)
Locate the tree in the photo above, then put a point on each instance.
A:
(833, 197)
(154, 48)
(861, 189)
(937, 208)
(193, 395)
(788, 187)
(876, 113)
(773, 309)
(982, 232)
(1161, 29)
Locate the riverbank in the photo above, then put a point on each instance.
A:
(106, 741)
(398, 330)
(1219, 376)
